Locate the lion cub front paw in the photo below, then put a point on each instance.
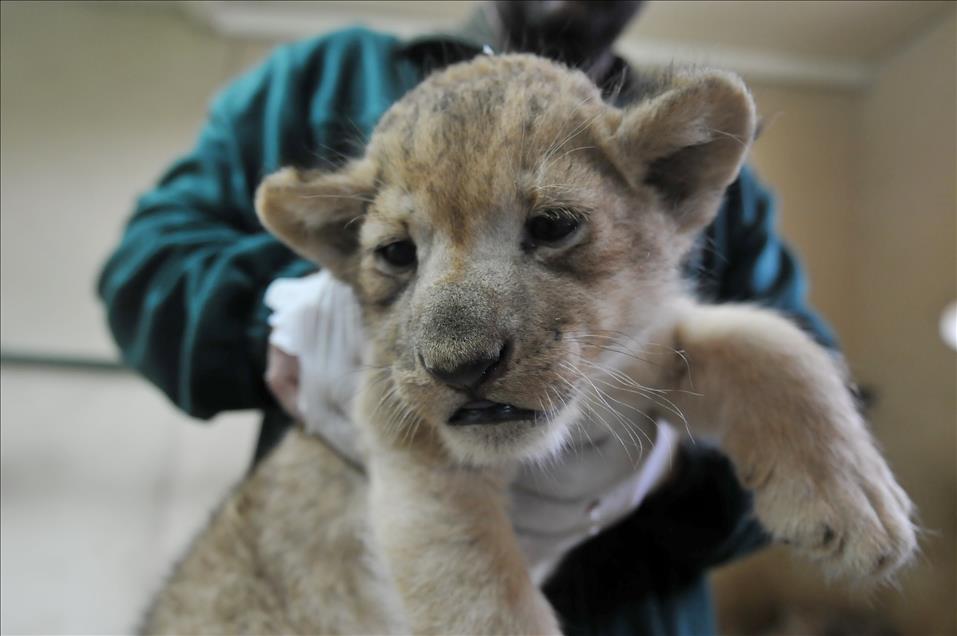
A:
(840, 506)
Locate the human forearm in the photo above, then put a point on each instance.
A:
(184, 302)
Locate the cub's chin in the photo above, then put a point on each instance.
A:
(485, 433)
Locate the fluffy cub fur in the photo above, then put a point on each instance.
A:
(504, 216)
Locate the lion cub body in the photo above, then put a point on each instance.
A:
(515, 245)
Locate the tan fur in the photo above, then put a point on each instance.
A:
(240, 577)
(598, 326)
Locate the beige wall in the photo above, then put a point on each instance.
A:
(95, 100)
(891, 267)
(805, 154)
(904, 236)
(103, 481)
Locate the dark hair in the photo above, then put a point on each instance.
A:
(574, 32)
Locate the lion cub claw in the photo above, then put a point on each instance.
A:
(854, 521)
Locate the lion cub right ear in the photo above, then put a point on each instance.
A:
(688, 142)
(318, 215)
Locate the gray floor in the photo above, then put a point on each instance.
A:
(103, 485)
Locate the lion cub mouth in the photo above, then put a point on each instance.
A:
(487, 412)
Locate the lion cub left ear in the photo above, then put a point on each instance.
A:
(688, 143)
(319, 215)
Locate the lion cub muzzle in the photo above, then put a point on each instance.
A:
(464, 342)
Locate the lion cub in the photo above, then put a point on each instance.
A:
(515, 244)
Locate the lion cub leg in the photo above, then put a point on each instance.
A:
(779, 406)
(445, 535)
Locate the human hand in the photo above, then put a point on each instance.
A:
(282, 378)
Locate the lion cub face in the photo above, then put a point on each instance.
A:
(503, 224)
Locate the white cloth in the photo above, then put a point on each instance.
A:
(316, 318)
(593, 484)
(596, 481)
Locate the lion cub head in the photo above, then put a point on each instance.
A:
(501, 222)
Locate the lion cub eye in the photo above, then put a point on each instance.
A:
(551, 226)
(399, 255)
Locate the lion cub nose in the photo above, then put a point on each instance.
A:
(471, 374)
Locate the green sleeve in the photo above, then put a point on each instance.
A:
(183, 290)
